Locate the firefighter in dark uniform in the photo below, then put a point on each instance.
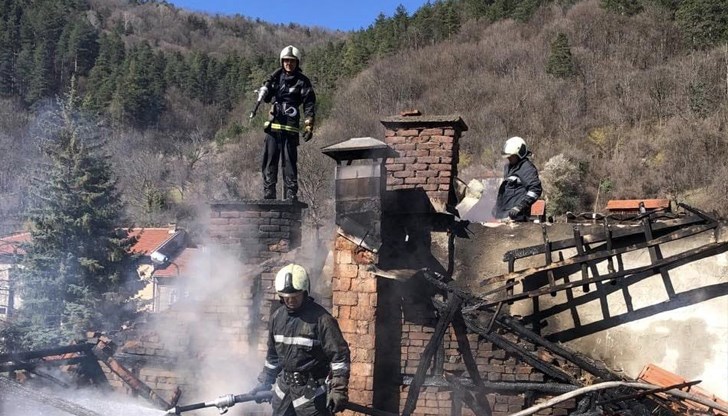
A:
(289, 90)
(521, 186)
(308, 360)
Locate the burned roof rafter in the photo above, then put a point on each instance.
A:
(611, 389)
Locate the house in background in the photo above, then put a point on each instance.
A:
(10, 254)
(168, 279)
(163, 256)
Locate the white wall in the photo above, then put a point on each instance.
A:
(690, 341)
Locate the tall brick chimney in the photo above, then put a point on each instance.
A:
(428, 148)
(406, 200)
(360, 187)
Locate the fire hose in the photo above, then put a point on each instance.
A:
(223, 403)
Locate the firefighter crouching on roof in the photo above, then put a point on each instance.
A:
(288, 89)
(306, 351)
(521, 186)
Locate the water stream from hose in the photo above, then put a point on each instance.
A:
(19, 400)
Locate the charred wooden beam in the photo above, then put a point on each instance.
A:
(501, 386)
(695, 254)
(458, 324)
(453, 305)
(32, 365)
(512, 324)
(666, 263)
(102, 352)
(579, 244)
(582, 259)
(438, 280)
(530, 359)
(656, 254)
(30, 355)
(598, 237)
(682, 299)
(472, 401)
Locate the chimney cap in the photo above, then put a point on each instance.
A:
(452, 120)
(359, 148)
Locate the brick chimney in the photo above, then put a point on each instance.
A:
(428, 149)
(256, 231)
(388, 195)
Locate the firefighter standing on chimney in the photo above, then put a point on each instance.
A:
(307, 355)
(289, 90)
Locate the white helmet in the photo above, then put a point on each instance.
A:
(291, 280)
(290, 52)
(515, 146)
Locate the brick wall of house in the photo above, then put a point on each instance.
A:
(494, 364)
(258, 230)
(355, 301)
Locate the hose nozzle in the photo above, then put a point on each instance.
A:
(223, 403)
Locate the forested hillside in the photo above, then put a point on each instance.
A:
(627, 105)
(617, 98)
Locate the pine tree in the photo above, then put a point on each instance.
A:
(139, 97)
(78, 47)
(6, 61)
(41, 77)
(704, 22)
(102, 80)
(75, 273)
(560, 63)
(447, 20)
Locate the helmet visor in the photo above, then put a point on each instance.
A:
(289, 294)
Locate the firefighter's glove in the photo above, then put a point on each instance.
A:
(262, 92)
(337, 400)
(514, 212)
(308, 129)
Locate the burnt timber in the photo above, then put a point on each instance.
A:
(479, 309)
(87, 356)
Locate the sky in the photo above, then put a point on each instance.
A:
(331, 14)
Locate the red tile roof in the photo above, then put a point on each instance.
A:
(181, 265)
(634, 204)
(149, 239)
(10, 245)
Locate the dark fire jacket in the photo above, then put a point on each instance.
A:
(307, 340)
(521, 187)
(289, 92)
